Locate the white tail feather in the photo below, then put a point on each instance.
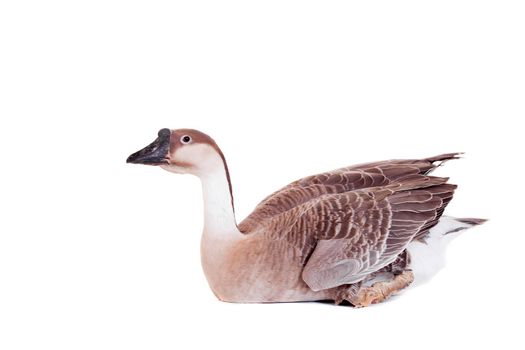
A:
(429, 257)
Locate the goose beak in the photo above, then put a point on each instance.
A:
(156, 153)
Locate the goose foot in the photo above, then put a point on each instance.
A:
(380, 291)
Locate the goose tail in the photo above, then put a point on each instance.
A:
(471, 221)
(428, 256)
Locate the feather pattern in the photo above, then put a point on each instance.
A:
(338, 181)
(351, 222)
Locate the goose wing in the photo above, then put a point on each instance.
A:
(346, 236)
(357, 233)
(362, 176)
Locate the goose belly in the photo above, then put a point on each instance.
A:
(260, 271)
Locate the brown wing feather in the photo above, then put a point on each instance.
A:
(342, 237)
(339, 181)
(377, 231)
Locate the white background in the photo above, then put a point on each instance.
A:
(99, 254)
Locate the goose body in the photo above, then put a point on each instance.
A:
(323, 237)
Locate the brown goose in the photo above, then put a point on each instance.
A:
(358, 233)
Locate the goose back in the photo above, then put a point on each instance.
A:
(368, 175)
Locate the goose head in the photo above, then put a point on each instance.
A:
(182, 151)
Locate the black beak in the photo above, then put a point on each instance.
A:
(156, 153)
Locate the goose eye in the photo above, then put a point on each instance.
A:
(185, 139)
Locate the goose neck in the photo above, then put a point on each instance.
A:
(219, 215)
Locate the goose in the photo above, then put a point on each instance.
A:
(358, 234)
